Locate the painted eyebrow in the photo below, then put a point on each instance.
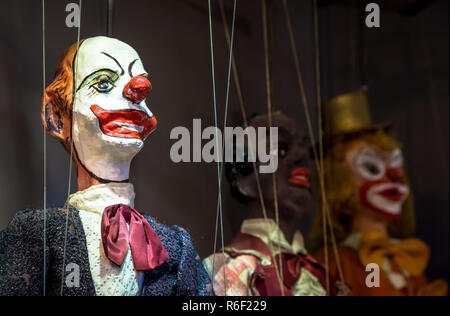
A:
(83, 83)
(130, 67)
(122, 71)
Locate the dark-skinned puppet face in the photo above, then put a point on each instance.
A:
(292, 174)
(98, 99)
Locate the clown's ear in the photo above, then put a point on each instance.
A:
(55, 119)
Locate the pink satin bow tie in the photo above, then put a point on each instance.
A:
(147, 249)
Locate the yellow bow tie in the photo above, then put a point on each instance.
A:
(411, 255)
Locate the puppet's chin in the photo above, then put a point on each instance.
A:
(385, 198)
(122, 146)
(105, 157)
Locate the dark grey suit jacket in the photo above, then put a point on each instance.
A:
(22, 258)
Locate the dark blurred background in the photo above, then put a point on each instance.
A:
(404, 63)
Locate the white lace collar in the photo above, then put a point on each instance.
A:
(95, 198)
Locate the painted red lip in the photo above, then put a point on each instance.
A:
(125, 123)
(300, 176)
(392, 194)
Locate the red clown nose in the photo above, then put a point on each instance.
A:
(137, 89)
(396, 174)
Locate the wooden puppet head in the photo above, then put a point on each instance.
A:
(97, 100)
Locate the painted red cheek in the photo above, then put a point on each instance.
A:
(137, 89)
(364, 201)
(396, 174)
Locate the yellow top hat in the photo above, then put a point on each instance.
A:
(348, 113)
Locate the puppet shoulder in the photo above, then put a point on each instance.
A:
(174, 238)
(29, 223)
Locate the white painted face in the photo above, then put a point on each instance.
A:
(110, 116)
(381, 177)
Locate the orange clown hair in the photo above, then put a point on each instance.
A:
(57, 102)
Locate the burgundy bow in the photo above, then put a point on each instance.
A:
(146, 248)
(265, 280)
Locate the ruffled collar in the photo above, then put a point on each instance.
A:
(95, 198)
(353, 239)
(270, 233)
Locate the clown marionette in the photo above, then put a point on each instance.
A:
(250, 262)
(97, 101)
(370, 202)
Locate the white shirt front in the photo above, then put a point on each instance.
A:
(109, 279)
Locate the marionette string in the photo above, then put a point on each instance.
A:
(216, 127)
(279, 269)
(245, 121)
(234, 67)
(70, 160)
(44, 290)
(325, 204)
(317, 160)
(223, 145)
(320, 129)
